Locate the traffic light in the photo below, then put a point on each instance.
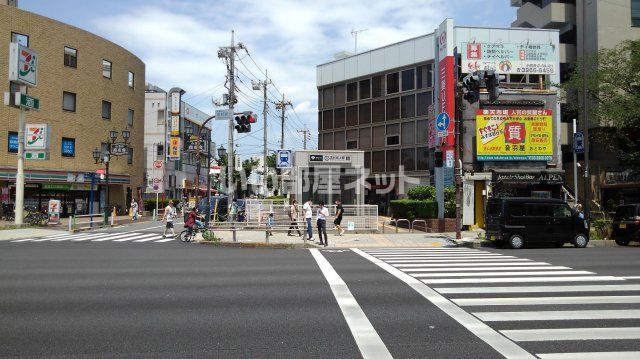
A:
(239, 124)
(493, 84)
(471, 84)
(244, 121)
(437, 159)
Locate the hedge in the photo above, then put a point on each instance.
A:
(422, 193)
(412, 209)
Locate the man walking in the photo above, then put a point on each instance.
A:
(293, 216)
(169, 214)
(323, 213)
(338, 219)
(233, 210)
(134, 209)
(308, 214)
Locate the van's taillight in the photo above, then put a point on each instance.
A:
(637, 220)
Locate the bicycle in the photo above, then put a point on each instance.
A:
(189, 234)
(35, 217)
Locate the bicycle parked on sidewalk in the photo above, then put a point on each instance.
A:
(35, 217)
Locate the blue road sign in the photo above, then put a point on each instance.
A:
(578, 142)
(442, 121)
(284, 159)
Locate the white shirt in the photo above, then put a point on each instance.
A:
(323, 213)
(169, 213)
(307, 210)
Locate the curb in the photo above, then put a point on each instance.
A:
(472, 243)
(258, 245)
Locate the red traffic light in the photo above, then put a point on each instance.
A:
(251, 118)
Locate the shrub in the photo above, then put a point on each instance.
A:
(423, 193)
(602, 228)
(412, 209)
(450, 202)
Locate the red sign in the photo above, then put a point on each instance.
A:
(100, 171)
(474, 51)
(514, 132)
(447, 96)
(157, 164)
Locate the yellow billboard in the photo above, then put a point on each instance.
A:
(174, 148)
(514, 135)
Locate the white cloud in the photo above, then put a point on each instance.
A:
(178, 41)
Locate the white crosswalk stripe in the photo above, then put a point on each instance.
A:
(466, 276)
(131, 237)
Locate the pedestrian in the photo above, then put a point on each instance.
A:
(338, 219)
(293, 216)
(134, 209)
(308, 214)
(270, 223)
(322, 214)
(578, 209)
(169, 214)
(233, 210)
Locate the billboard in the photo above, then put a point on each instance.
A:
(514, 135)
(23, 65)
(174, 148)
(36, 137)
(510, 58)
(446, 79)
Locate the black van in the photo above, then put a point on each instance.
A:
(626, 224)
(518, 221)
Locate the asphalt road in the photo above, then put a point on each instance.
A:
(124, 299)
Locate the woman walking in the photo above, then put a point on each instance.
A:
(323, 213)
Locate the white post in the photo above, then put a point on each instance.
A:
(575, 166)
(70, 224)
(156, 213)
(19, 202)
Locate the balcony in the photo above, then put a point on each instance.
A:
(552, 16)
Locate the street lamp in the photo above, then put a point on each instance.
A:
(221, 152)
(98, 157)
(113, 134)
(126, 134)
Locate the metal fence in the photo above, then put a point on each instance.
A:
(355, 217)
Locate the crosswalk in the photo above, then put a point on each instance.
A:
(131, 237)
(550, 311)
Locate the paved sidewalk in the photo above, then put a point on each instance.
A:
(31, 232)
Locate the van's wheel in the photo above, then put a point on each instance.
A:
(580, 241)
(622, 242)
(516, 241)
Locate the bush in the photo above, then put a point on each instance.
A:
(209, 236)
(422, 193)
(602, 228)
(450, 202)
(412, 209)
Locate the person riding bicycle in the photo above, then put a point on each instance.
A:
(194, 218)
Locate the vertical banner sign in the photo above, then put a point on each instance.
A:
(156, 180)
(174, 148)
(175, 103)
(175, 125)
(446, 80)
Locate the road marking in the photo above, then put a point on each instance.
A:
(605, 299)
(535, 335)
(365, 335)
(558, 315)
(165, 240)
(631, 277)
(132, 237)
(87, 237)
(417, 249)
(149, 239)
(591, 355)
(22, 240)
(542, 289)
(428, 251)
(525, 279)
(445, 255)
(56, 236)
(474, 264)
(467, 260)
(116, 236)
(501, 344)
(500, 274)
(475, 269)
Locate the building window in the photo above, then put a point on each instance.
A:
(352, 91)
(424, 100)
(635, 12)
(408, 80)
(129, 156)
(364, 115)
(69, 101)
(160, 150)
(424, 76)
(378, 136)
(352, 139)
(408, 156)
(130, 118)
(327, 141)
(377, 161)
(338, 117)
(393, 135)
(393, 160)
(408, 106)
(408, 133)
(422, 158)
(365, 137)
(393, 108)
(377, 86)
(422, 129)
(352, 145)
(352, 115)
(339, 140)
(377, 111)
(319, 99)
(393, 83)
(327, 97)
(131, 79)
(340, 95)
(14, 86)
(106, 69)
(106, 110)
(68, 147)
(21, 39)
(365, 89)
(161, 117)
(70, 57)
(12, 142)
(327, 120)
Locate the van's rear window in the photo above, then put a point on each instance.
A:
(625, 213)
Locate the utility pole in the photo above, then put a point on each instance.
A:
(304, 133)
(265, 110)
(19, 203)
(282, 105)
(585, 116)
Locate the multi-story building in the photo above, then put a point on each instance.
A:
(87, 86)
(384, 101)
(179, 175)
(586, 26)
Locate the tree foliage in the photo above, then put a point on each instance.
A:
(612, 84)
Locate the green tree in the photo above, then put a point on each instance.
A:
(613, 92)
(271, 163)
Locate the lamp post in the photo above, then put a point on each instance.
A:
(122, 148)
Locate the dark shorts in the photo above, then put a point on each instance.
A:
(337, 221)
(169, 224)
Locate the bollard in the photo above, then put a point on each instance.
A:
(70, 224)
(266, 237)
(155, 218)
(233, 228)
(105, 218)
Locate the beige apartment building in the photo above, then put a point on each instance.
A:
(87, 86)
(586, 26)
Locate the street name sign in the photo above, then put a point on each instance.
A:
(222, 115)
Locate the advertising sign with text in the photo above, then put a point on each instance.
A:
(174, 148)
(446, 80)
(507, 58)
(514, 135)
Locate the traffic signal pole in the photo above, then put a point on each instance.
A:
(19, 202)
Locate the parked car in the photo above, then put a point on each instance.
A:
(520, 221)
(626, 224)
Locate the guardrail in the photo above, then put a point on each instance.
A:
(284, 226)
(73, 221)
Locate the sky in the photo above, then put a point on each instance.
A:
(178, 41)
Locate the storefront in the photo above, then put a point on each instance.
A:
(523, 183)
